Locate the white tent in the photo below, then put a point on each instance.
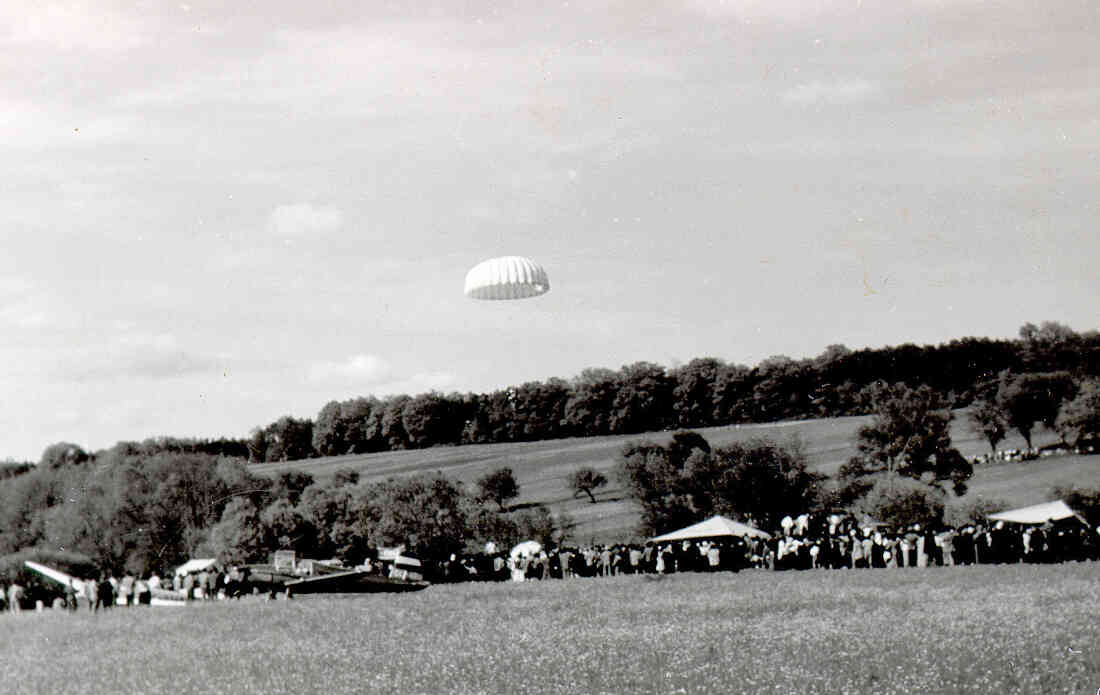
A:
(1036, 513)
(712, 528)
(196, 566)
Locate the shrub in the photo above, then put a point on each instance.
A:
(902, 501)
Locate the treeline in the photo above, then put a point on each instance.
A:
(136, 513)
(645, 397)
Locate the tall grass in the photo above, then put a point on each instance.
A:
(1011, 629)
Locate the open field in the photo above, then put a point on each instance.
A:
(988, 629)
(542, 467)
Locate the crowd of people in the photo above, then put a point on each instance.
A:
(803, 542)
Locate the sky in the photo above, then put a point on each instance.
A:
(216, 214)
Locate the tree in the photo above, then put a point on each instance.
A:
(286, 528)
(499, 486)
(588, 410)
(1049, 347)
(909, 436)
(539, 409)
(586, 480)
(901, 501)
(289, 439)
(257, 445)
(330, 510)
(759, 479)
(988, 420)
(290, 485)
(430, 419)
(643, 402)
(240, 536)
(428, 514)
(683, 444)
(732, 399)
(693, 394)
(330, 431)
(536, 523)
(1079, 419)
(1027, 399)
(971, 510)
(63, 454)
(387, 423)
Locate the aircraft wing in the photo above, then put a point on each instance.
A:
(352, 581)
(326, 582)
(56, 575)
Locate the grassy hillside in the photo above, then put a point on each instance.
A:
(542, 467)
(1001, 629)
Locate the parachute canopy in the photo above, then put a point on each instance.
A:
(525, 549)
(506, 277)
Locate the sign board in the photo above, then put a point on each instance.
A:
(284, 560)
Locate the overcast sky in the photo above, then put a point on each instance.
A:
(216, 215)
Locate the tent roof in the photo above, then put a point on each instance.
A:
(196, 565)
(712, 527)
(1036, 513)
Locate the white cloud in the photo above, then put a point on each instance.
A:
(303, 219)
(73, 25)
(361, 369)
(135, 356)
(836, 92)
(373, 373)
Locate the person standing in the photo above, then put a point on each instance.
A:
(91, 593)
(70, 596)
(105, 595)
(125, 587)
(714, 557)
(857, 551)
(15, 598)
(141, 593)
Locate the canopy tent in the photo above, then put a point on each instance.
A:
(1036, 513)
(712, 528)
(196, 566)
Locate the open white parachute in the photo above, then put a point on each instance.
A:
(526, 549)
(506, 277)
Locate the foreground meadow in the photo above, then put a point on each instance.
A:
(1017, 629)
